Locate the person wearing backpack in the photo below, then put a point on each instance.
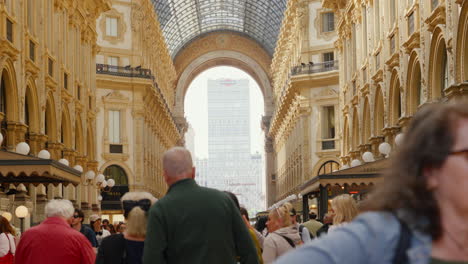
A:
(418, 215)
(306, 236)
(283, 235)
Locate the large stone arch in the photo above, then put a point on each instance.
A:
(414, 92)
(379, 112)
(127, 170)
(394, 103)
(223, 58)
(8, 76)
(438, 56)
(222, 49)
(462, 45)
(31, 99)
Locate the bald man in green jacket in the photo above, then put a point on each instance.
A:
(194, 224)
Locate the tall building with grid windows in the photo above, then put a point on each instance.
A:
(231, 166)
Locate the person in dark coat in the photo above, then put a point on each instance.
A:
(194, 224)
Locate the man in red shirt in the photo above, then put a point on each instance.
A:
(54, 241)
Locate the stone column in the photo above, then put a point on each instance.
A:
(21, 198)
(41, 201)
(81, 190)
(270, 171)
(92, 192)
(69, 154)
(11, 136)
(20, 132)
(55, 150)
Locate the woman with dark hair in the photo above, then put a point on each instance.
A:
(7, 242)
(420, 214)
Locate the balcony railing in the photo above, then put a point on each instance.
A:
(315, 67)
(136, 72)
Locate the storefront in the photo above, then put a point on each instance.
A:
(356, 181)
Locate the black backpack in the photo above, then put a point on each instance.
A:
(404, 243)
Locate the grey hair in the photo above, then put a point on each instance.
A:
(59, 208)
(177, 161)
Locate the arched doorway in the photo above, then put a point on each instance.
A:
(110, 204)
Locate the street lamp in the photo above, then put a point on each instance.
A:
(21, 212)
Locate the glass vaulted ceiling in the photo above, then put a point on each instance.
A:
(184, 20)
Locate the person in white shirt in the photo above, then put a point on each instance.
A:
(95, 223)
(7, 241)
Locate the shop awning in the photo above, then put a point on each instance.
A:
(16, 168)
(363, 174)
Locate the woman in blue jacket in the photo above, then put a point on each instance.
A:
(419, 214)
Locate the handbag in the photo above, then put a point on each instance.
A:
(9, 258)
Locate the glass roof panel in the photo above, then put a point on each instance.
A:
(184, 20)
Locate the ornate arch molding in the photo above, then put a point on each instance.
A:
(462, 45)
(394, 104)
(31, 98)
(414, 85)
(222, 58)
(379, 112)
(366, 122)
(50, 117)
(355, 132)
(321, 162)
(346, 136)
(127, 170)
(90, 144)
(66, 128)
(438, 48)
(79, 143)
(8, 73)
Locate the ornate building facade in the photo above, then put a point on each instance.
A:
(394, 57)
(135, 96)
(48, 96)
(306, 88)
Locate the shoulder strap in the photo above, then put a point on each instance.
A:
(404, 242)
(301, 227)
(9, 243)
(289, 240)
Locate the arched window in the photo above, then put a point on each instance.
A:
(444, 74)
(117, 173)
(328, 167)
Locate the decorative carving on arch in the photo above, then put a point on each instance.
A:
(355, 133)
(366, 121)
(394, 104)
(324, 162)
(379, 112)
(8, 76)
(50, 127)
(438, 53)
(414, 86)
(125, 168)
(222, 41)
(222, 58)
(462, 45)
(66, 128)
(31, 98)
(79, 142)
(345, 137)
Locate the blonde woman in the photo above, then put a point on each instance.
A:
(345, 209)
(127, 247)
(282, 237)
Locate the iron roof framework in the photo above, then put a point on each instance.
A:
(184, 20)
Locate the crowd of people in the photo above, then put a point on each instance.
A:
(417, 216)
